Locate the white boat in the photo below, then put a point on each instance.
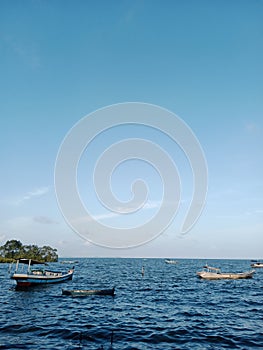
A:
(257, 264)
(69, 262)
(212, 273)
(171, 262)
(38, 276)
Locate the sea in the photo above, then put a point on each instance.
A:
(167, 307)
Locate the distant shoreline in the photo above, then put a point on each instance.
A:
(6, 260)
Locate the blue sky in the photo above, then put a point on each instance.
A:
(202, 60)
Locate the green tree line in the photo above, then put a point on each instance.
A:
(13, 250)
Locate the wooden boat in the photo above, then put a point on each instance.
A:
(87, 292)
(212, 273)
(171, 262)
(257, 264)
(38, 276)
(69, 262)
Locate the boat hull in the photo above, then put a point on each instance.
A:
(219, 276)
(87, 292)
(257, 265)
(27, 280)
(171, 262)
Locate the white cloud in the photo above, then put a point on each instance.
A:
(39, 192)
(124, 218)
(122, 211)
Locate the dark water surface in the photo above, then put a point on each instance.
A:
(168, 308)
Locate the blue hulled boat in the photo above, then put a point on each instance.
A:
(38, 276)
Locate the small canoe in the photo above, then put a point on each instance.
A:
(86, 292)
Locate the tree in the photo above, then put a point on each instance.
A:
(14, 249)
(11, 249)
(48, 253)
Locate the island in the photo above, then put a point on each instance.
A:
(13, 250)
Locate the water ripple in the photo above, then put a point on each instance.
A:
(169, 308)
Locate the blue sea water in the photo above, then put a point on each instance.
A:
(167, 308)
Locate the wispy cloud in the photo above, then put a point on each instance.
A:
(39, 192)
(44, 220)
(124, 210)
(129, 16)
(254, 212)
(149, 205)
(62, 242)
(252, 128)
(25, 51)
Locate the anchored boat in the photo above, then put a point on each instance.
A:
(257, 264)
(212, 273)
(170, 261)
(86, 292)
(38, 276)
